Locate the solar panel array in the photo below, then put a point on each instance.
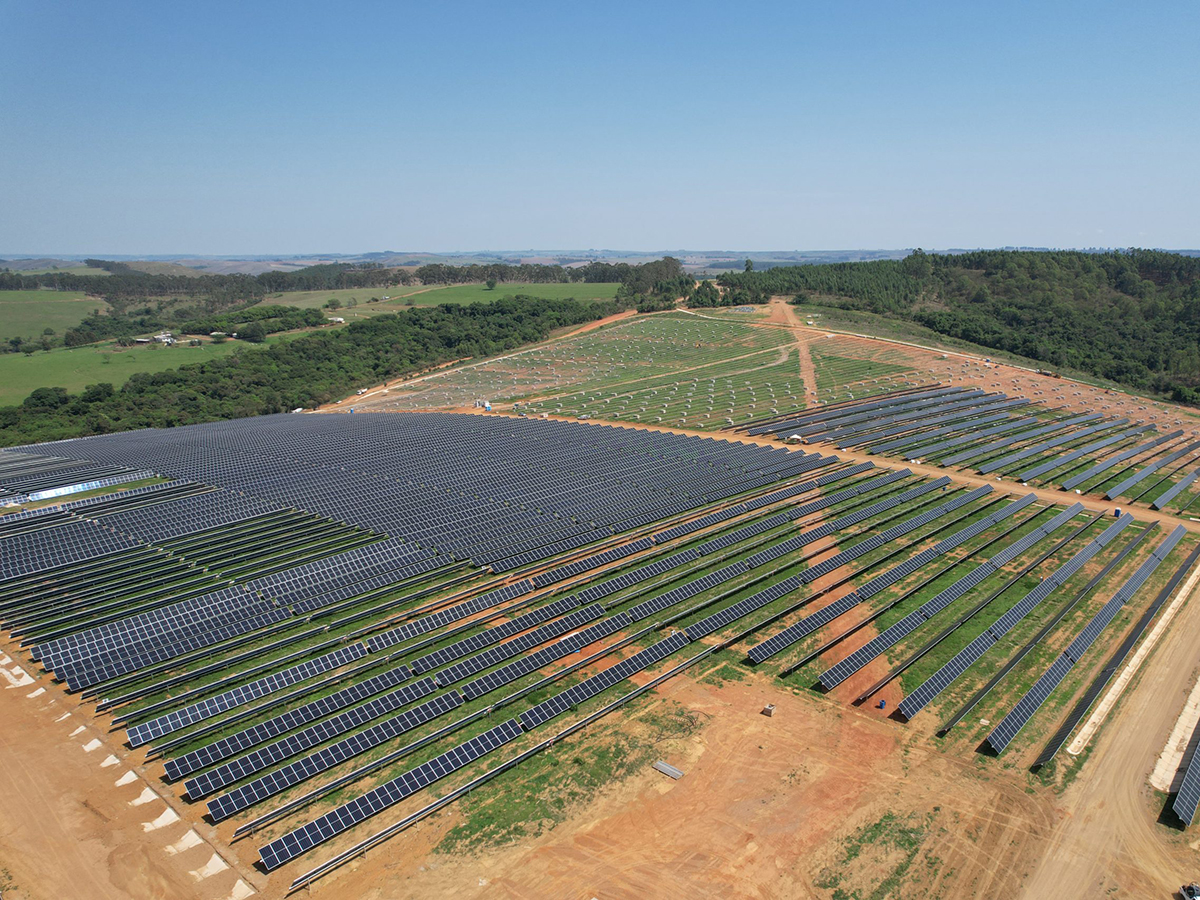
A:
(940, 680)
(262, 732)
(226, 805)
(1164, 499)
(892, 635)
(976, 452)
(1025, 452)
(919, 448)
(526, 665)
(778, 642)
(294, 843)
(1187, 799)
(213, 706)
(1002, 735)
(1086, 450)
(1147, 471)
(446, 655)
(1104, 465)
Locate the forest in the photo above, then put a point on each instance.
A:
(306, 372)
(1129, 316)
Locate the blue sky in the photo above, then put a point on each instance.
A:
(216, 128)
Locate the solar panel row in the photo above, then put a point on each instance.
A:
(940, 680)
(291, 845)
(214, 706)
(892, 635)
(262, 732)
(1008, 728)
(1104, 465)
(822, 617)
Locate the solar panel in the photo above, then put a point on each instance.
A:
(892, 635)
(303, 839)
(1164, 499)
(1003, 734)
(287, 721)
(307, 738)
(941, 679)
(1075, 480)
(1147, 471)
(590, 687)
(213, 706)
(1188, 798)
(253, 792)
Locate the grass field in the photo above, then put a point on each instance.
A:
(432, 296)
(74, 369)
(27, 313)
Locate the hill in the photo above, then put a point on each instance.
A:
(1129, 316)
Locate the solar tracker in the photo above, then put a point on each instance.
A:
(226, 805)
(822, 617)
(1104, 465)
(276, 853)
(1188, 797)
(1147, 471)
(1002, 735)
(975, 452)
(1164, 499)
(941, 679)
(892, 635)
(1024, 453)
(294, 718)
(213, 706)
(919, 448)
(1079, 453)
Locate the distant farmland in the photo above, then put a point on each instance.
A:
(27, 313)
(20, 375)
(427, 295)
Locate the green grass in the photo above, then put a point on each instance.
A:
(27, 313)
(881, 854)
(546, 788)
(432, 296)
(74, 369)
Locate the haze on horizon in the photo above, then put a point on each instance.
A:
(278, 128)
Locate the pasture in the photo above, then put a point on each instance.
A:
(26, 314)
(76, 368)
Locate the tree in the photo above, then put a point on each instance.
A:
(491, 284)
(254, 333)
(334, 303)
(749, 265)
(47, 398)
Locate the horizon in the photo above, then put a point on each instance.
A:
(599, 253)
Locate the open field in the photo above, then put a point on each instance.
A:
(76, 368)
(432, 295)
(26, 313)
(380, 666)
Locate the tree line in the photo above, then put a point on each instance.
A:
(1129, 316)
